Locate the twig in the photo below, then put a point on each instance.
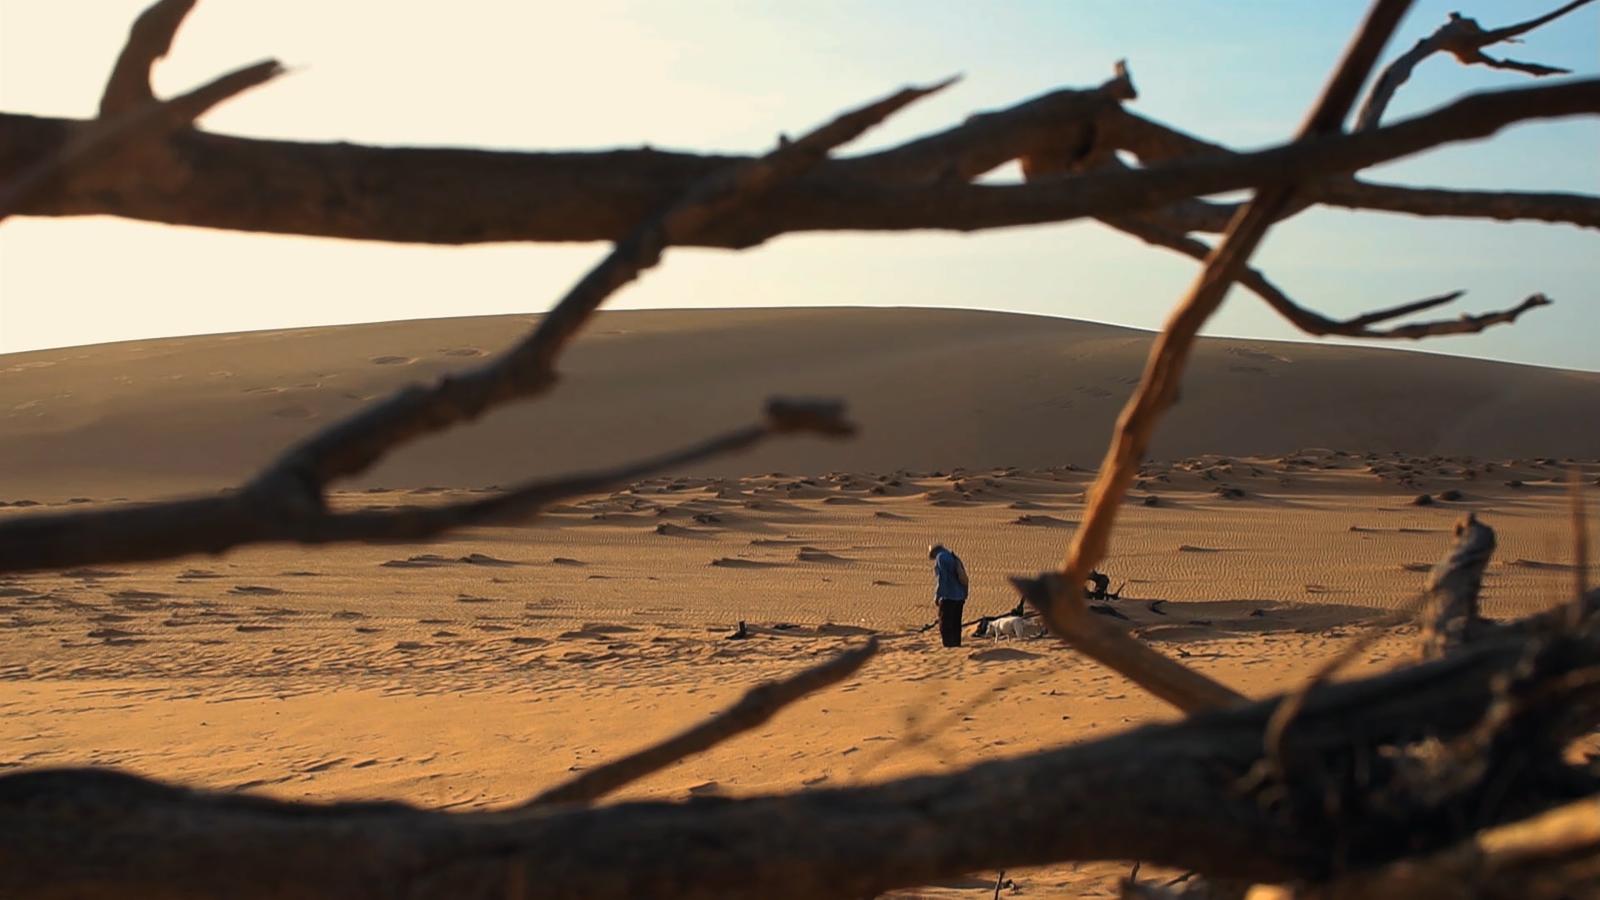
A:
(1065, 612)
(754, 709)
(1504, 206)
(527, 369)
(1315, 323)
(215, 524)
(1464, 39)
(149, 40)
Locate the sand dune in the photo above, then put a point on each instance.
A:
(934, 389)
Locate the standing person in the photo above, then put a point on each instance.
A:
(949, 592)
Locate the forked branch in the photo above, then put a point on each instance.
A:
(1464, 39)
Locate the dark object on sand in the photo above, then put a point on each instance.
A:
(1422, 500)
(739, 633)
(1097, 588)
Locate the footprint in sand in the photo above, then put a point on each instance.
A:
(463, 352)
(254, 590)
(392, 360)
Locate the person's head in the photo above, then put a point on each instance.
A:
(934, 550)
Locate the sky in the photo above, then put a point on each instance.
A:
(729, 76)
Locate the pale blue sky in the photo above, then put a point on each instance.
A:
(729, 76)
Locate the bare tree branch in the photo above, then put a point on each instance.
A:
(466, 196)
(1155, 142)
(125, 130)
(1151, 231)
(1552, 856)
(1064, 610)
(753, 710)
(527, 369)
(287, 501)
(257, 515)
(1464, 39)
(1505, 206)
(149, 40)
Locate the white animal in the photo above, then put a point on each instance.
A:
(1022, 627)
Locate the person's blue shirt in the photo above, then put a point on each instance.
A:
(945, 566)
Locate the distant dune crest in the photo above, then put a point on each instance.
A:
(931, 388)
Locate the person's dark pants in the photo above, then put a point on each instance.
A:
(950, 621)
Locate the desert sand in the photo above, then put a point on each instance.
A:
(472, 672)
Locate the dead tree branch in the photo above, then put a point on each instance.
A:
(1155, 142)
(1552, 856)
(451, 196)
(123, 133)
(214, 524)
(148, 41)
(1314, 323)
(528, 368)
(1059, 599)
(1464, 39)
(753, 710)
(288, 500)
(1167, 228)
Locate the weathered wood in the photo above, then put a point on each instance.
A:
(460, 196)
(1451, 615)
(1552, 856)
(1464, 39)
(1158, 390)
